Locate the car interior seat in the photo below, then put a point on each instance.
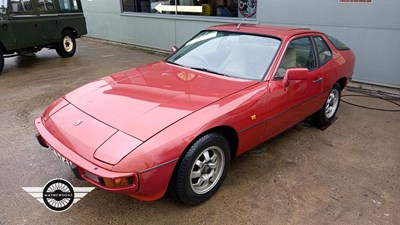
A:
(289, 60)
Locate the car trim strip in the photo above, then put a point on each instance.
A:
(71, 14)
(48, 15)
(23, 16)
(265, 120)
(158, 166)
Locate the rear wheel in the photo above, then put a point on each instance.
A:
(328, 111)
(202, 169)
(1, 61)
(67, 46)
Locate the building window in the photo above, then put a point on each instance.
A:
(218, 8)
(21, 6)
(45, 5)
(70, 5)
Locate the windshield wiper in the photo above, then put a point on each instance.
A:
(174, 63)
(208, 70)
(198, 68)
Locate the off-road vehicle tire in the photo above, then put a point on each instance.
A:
(67, 46)
(1, 61)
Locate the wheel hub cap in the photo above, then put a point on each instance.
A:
(332, 103)
(207, 170)
(68, 44)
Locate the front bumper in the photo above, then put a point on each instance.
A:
(85, 169)
(147, 185)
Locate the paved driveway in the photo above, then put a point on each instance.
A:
(347, 174)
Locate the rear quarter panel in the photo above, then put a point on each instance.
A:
(342, 63)
(74, 21)
(347, 62)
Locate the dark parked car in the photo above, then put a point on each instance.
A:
(27, 26)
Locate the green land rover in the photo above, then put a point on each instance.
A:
(27, 26)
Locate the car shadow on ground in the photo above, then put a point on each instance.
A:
(21, 61)
(262, 161)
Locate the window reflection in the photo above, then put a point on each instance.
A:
(219, 8)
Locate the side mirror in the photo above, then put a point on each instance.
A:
(173, 49)
(296, 73)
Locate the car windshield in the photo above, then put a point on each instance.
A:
(228, 54)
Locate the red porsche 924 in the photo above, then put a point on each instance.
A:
(178, 123)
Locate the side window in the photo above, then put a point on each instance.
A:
(68, 5)
(22, 6)
(299, 54)
(45, 5)
(323, 51)
(338, 44)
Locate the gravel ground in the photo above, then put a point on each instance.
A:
(347, 174)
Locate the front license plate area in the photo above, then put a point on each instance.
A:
(92, 176)
(66, 161)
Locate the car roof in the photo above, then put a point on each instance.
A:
(269, 30)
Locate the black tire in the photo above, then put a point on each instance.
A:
(196, 190)
(328, 111)
(67, 46)
(1, 61)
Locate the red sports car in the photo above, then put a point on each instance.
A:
(177, 124)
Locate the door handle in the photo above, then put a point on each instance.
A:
(318, 80)
(36, 26)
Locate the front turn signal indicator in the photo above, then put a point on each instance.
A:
(119, 182)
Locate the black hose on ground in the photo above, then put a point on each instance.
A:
(391, 98)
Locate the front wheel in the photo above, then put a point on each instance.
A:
(202, 169)
(67, 46)
(328, 111)
(1, 61)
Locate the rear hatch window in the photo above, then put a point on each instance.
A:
(338, 44)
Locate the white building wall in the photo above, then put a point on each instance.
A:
(372, 30)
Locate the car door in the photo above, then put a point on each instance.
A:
(290, 101)
(25, 23)
(325, 68)
(49, 19)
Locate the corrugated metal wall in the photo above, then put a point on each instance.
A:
(372, 30)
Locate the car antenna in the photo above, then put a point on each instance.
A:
(244, 18)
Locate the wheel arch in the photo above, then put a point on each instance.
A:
(342, 82)
(2, 48)
(72, 30)
(228, 132)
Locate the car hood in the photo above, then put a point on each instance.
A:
(143, 101)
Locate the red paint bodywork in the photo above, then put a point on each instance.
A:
(137, 123)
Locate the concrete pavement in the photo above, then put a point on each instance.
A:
(347, 174)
